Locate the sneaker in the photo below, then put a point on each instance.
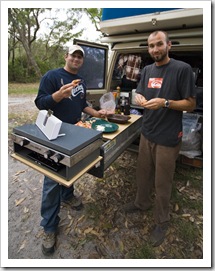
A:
(48, 245)
(158, 234)
(75, 203)
(130, 207)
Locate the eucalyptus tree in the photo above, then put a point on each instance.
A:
(23, 27)
(95, 15)
(38, 35)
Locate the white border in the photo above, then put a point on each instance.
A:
(206, 261)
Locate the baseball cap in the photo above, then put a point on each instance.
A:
(74, 48)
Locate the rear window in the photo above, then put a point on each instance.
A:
(94, 68)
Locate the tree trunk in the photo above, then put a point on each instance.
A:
(31, 59)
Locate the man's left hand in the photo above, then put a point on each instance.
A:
(154, 104)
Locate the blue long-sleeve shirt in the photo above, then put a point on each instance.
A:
(67, 110)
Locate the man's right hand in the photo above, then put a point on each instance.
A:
(140, 99)
(65, 91)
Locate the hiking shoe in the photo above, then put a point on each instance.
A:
(48, 245)
(130, 207)
(158, 234)
(75, 203)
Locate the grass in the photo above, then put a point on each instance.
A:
(22, 88)
(93, 210)
(186, 230)
(15, 120)
(144, 252)
(188, 174)
(185, 202)
(192, 181)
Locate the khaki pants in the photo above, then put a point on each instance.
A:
(155, 169)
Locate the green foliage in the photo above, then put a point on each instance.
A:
(144, 252)
(93, 211)
(31, 55)
(190, 175)
(95, 15)
(19, 71)
(186, 230)
(186, 181)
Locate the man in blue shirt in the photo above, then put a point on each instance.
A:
(63, 91)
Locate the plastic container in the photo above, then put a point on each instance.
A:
(133, 96)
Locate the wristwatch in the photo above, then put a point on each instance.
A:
(166, 103)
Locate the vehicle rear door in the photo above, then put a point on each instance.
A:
(94, 69)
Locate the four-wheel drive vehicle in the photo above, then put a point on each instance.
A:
(123, 53)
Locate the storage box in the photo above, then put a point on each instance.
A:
(194, 162)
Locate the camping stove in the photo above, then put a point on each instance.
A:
(73, 150)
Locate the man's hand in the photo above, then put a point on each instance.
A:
(97, 114)
(140, 100)
(65, 90)
(154, 104)
(103, 113)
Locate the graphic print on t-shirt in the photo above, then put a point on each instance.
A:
(155, 82)
(79, 89)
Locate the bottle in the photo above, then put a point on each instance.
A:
(123, 101)
(122, 105)
(118, 92)
(127, 107)
(117, 95)
(118, 111)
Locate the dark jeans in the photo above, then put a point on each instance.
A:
(155, 170)
(53, 194)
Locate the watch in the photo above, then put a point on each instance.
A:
(166, 103)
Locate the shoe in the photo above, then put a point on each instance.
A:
(48, 245)
(75, 203)
(158, 234)
(130, 207)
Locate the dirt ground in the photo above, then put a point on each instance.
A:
(100, 230)
(25, 233)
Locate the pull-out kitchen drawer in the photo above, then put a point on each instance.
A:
(80, 150)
